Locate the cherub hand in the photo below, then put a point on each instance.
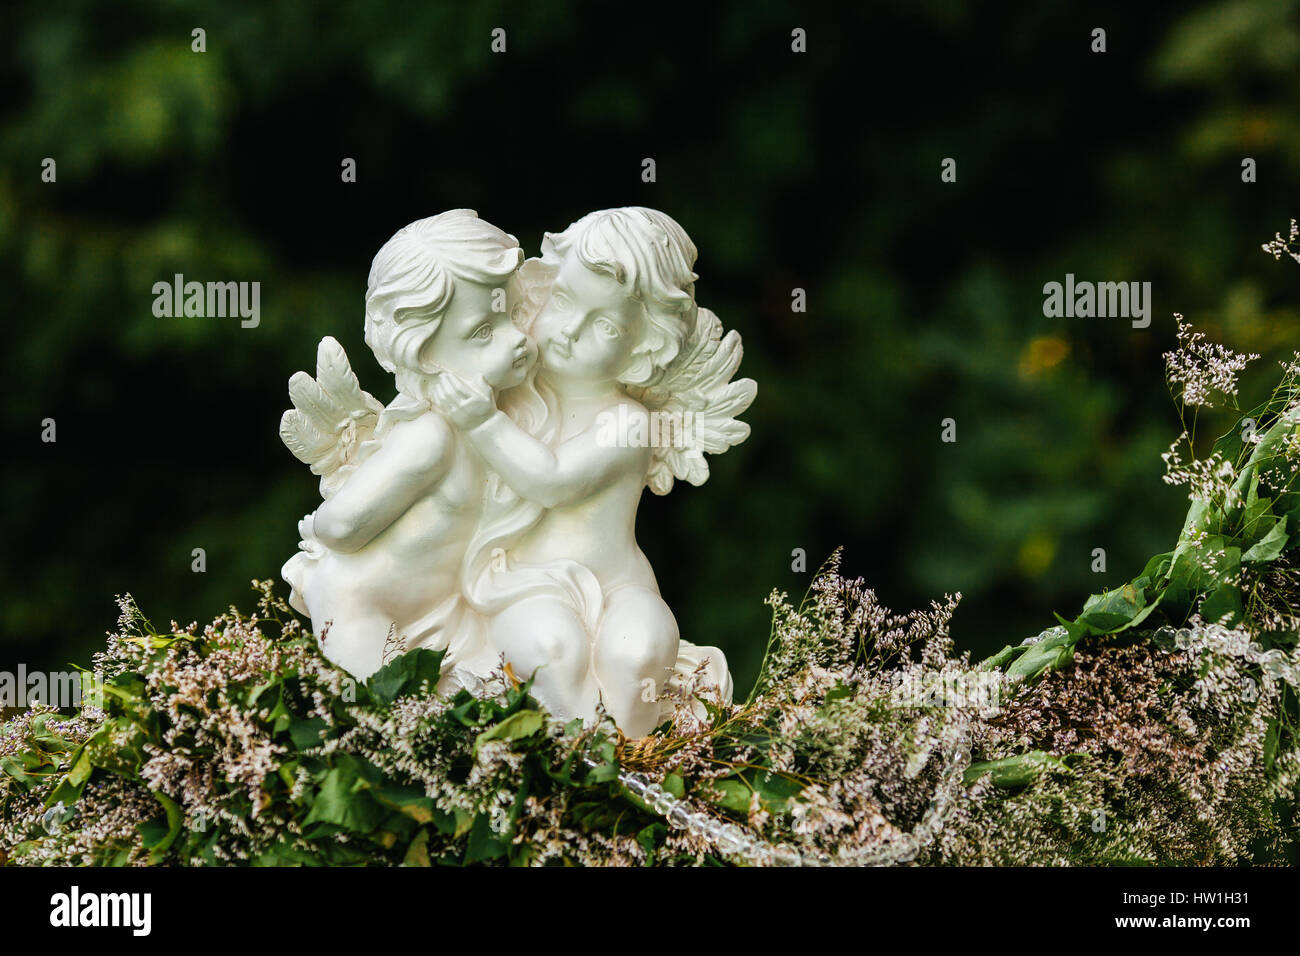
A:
(465, 404)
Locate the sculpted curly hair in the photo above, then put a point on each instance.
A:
(648, 252)
(413, 279)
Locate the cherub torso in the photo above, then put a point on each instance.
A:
(415, 562)
(599, 529)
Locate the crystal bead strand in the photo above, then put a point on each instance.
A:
(729, 838)
(1274, 663)
(736, 842)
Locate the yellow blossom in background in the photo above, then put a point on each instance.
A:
(1041, 354)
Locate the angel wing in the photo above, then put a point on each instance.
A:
(331, 416)
(699, 403)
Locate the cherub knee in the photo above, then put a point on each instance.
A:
(543, 636)
(560, 649)
(638, 637)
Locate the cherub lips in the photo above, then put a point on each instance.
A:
(561, 349)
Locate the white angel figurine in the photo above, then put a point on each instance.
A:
(381, 557)
(640, 379)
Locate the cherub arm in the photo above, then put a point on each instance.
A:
(415, 456)
(571, 472)
(549, 477)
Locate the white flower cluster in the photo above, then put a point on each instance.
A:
(1203, 368)
(1211, 480)
(1277, 246)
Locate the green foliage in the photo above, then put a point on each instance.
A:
(1222, 556)
(241, 744)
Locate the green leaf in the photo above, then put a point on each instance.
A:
(46, 739)
(70, 787)
(839, 691)
(411, 801)
(1157, 568)
(1198, 570)
(464, 823)
(650, 839)
(517, 726)
(1223, 600)
(405, 674)
(1018, 770)
(1270, 546)
(417, 854)
(1254, 521)
(159, 835)
(675, 784)
(1112, 610)
(306, 733)
(735, 792)
(118, 746)
(20, 767)
(483, 843)
(728, 793)
(998, 659)
(344, 801)
(1048, 654)
(1271, 741)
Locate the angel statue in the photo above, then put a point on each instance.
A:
(490, 510)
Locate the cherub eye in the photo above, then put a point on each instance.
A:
(608, 328)
(482, 333)
(561, 300)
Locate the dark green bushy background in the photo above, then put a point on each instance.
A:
(818, 171)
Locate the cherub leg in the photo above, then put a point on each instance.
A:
(544, 639)
(636, 648)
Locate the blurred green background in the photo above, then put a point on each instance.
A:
(817, 170)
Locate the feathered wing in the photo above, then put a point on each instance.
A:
(696, 404)
(331, 416)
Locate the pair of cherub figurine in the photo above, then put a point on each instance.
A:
(490, 509)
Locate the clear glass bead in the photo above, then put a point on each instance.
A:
(664, 802)
(699, 822)
(907, 849)
(52, 819)
(786, 855)
(1274, 663)
(762, 855)
(731, 839)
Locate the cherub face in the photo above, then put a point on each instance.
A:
(589, 327)
(475, 339)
